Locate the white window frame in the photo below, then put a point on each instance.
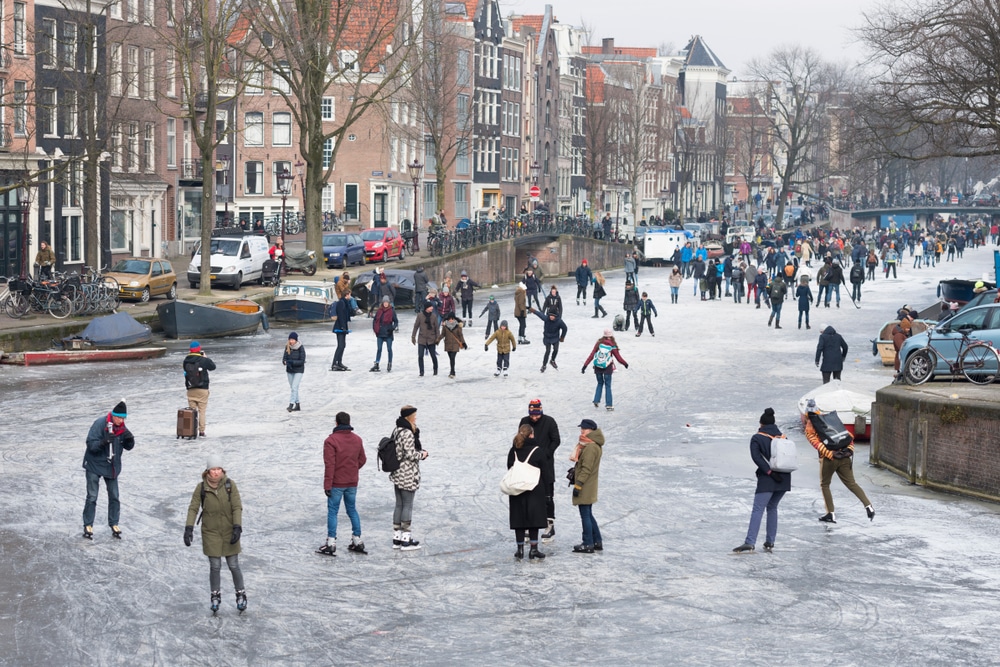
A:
(171, 143)
(328, 152)
(133, 147)
(170, 75)
(20, 28)
(275, 139)
(49, 48)
(260, 178)
(149, 147)
(254, 73)
(276, 168)
(258, 128)
(115, 70)
(69, 46)
(133, 72)
(47, 115)
(149, 73)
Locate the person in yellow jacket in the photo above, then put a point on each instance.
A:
(505, 345)
(839, 461)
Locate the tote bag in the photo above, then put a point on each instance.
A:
(520, 477)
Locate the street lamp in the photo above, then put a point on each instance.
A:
(222, 189)
(697, 202)
(284, 189)
(618, 206)
(416, 171)
(24, 198)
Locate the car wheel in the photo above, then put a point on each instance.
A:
(402, 254)
(192, 285)
(239, 281)
(172, 294)
(144, 297)
(385, 256)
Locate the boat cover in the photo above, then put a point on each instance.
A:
(117, 330)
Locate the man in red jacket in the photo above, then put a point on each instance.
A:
(343, 457)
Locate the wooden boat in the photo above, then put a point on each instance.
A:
(853, 405)
(186, 319)
(958, 290)
(883, 344)
(115, 331)
(49, 357)
(400, 279)
(303, 300)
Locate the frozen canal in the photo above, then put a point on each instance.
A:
(916, 586)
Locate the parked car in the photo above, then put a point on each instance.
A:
(343, 249)
(234, 260)
(982, 322)
(142, 278)
(382, 243)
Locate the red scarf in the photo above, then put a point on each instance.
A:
(116, 430)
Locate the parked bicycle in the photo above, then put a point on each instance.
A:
(977, 360)
(42, 296)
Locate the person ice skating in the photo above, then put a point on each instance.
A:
(823, 281)
(630, 264)
(342, 312)
(454, 339)
(599, 293)
(604, 349)
(644, 308)
(674, 280)
(777, 292)
(492, 322)
(221, 528)
(505, 345)
(804, 296)
(583, 276)
(547, 437)
(857, 276)
(406, 479)
(532, 287)
(553, 302)
(425, 336)
(447, 303)
(835, 461)
(585, 476)
(521, 312)
(527, 510)
(420, 281)
(553, 332)
(196, 367)
(630, 305)
(294, 361)
(466, 287)
(384, 324)
(343, 458)
(834, 279)
(771, 485)
(381, 288)
(832, 348)
(739, 286)
(107, 438)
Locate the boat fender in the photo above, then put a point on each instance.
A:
(264, 322)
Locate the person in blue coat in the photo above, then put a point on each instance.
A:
(771, 485)
(584, 276)
(553, 333)
(686, 255)
(107, 439)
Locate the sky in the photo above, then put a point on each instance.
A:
(735, 31)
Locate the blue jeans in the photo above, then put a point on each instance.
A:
(333, 508)
(830, 289)
(591, 533)
(674, 290)
(776, 309)
(90, 507)
(294, 380)
(388, 346)
(603, 380)
(768, 500)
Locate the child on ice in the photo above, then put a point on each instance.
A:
(494, 310)
(505, 344)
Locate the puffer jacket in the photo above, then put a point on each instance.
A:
(222, 510)
(425, 329)
(675, 279)
(407, 476)
(294, 359)
(104, 450)
(520, 301)
(553, 330)
(505, 341)
(586, 470)
(451, 334)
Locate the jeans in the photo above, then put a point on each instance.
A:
(466, 306)
(503, 361)
(830, 289)
(215, 566)
(90, 507)
(491, 326)
(631, 316)
(776, 310)
(591, 532)
(805, 312)
(645, 321)
(674, 291)
(533, 295)
(388, 347)
(403, 512)
(856, 291)
(598, 307)
(603, 381)
(891, 266)
(581, 289)
(522, 323)
(349, 495)
(294, 380)
(554, 349)
(338, 355)
(418, 300)
(431, 350)
(823, 290)
(738, 291)
(767, 500)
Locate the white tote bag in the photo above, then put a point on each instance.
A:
(520, 477)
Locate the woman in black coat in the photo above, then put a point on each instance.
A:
(833, 349)
(527, 510)
(771, 485)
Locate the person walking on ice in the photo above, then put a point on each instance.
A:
(833, 460)
(604, 349)
(771, 485)
(505, 345)
(107, 439)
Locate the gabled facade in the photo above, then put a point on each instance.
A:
(487, 105)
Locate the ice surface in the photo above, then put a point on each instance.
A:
(916, 586)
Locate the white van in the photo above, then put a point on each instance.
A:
(234, 260)
(659, 243)
(738, 233)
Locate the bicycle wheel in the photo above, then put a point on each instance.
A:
(60, 307)
(979, 364)
(17, 305)
(919, 367)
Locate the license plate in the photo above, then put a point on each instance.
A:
(213, 277)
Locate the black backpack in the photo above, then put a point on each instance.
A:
(194, 376)
(830, 430)
(388, 459)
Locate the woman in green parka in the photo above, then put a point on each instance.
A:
(221, 526)
(587, 457)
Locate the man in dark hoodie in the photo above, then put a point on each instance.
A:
(107, 439)
(833, 349)
(465, 288)
(553, 333)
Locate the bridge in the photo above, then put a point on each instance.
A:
(917, 213)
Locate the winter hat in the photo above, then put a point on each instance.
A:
(584, 262)
(427, 304)
(407, 410)
(552, 311)
(767, 417)
(535, 406)
(195, 346)
(588, 423)
(386, 299)
(492, 298)
(811, 405)
(464, 272)
(120, 410)
(444, 289)
(214, 461)
(608, 333)
(293, 336)
(451, 315)
(503, 323)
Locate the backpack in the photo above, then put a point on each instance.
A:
(830, 430)
(777, 289)
(857, 273)
(789, 270)
(783, 457)
(194, 376)
(619, 323)
(388, 458)
(229, 491)
(603, 357)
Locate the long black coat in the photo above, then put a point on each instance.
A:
(547, 438)
(833, 349)
(760, 452)
(527, 510)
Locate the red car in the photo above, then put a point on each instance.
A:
(381, 244)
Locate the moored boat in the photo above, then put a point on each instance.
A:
(50, 357)
(853, 405)
(303, 300)
(958, 290)
(883, 344)
(187, 319)
(118, 330)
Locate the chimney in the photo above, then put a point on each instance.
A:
(608, 46)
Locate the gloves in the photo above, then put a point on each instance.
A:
(327, 492)
(817, 364)
(237, 531)
(776, 476)
(576, 491)
(486, 348)
(583, 370)
(413, 341)
(562, 339)
(626, 365)
(465, 346)
(188, 535)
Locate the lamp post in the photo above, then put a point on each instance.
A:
(534, 169)
(697, 202)
(222, 189)
(284, 188)
(618, 206)
(24, 198)
(416, 170)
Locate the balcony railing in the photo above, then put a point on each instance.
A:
(5, 59)
(5, 137)
(191, 170)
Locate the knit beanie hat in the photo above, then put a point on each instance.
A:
(293, 336)
(214, 461)
(535, 406)
(503, 323)
(407, 410)
(767, 417)
(120, 410)
(195, 346)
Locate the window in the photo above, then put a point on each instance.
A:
(149, 73)
(278, 80)
(133, 147)
(69, 41)
(47, 112)
(19, 28)
(327, 153)
(462, 165)
(351, 201)
(148, 161)
(172, 142)
(48, 43)
(115, 9)
(327, 201)
(254, 183)
(116, 146)
(73, 241)
(461, 200)
(254, 79)
(348, 61)
(149, 12)
(20, 108)
(326, 109)
(170, 75)
(430, 200)
(121, 229)
(462, 68)
(254, 129)
(222, 127)
(69, 111)
(133, 11)
(133, 71)
(462, 112)
(276, 168)
(115, 70)
(281, 129)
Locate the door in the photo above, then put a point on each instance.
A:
(10, 242)
(351, 201)
(155, 278)
(380, 216)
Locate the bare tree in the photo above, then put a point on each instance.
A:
(598, 151)
(750, 130)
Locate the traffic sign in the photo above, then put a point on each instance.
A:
(535, 191)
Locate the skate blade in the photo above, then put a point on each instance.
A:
(323, 553)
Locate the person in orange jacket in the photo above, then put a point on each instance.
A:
(839, 461)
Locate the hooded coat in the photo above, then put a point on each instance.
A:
(527, 510)
(221, 511)
(407, 437)
(505, 341)
(553, 329)
(520, 301)
(104, 449)
(587, 467)
(760, 452)
(833, 349)
(425, 329)
(451, 334)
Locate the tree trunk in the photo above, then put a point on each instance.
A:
(91, 217)
(207, 220)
